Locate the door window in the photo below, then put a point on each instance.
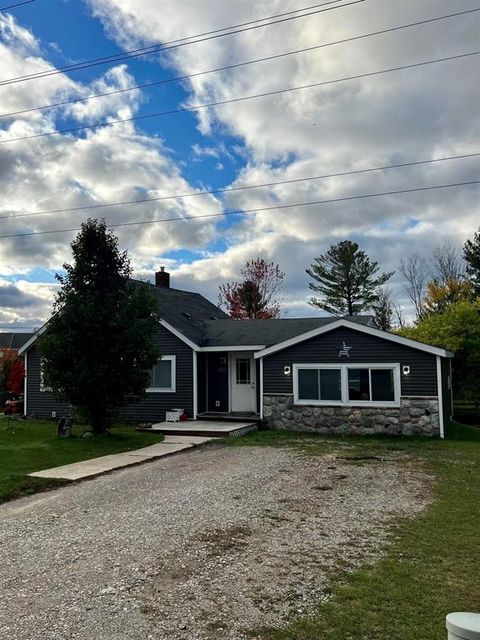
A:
(243, 371)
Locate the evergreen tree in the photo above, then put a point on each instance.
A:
(471, 254)
(383, 309)
(348, 280)
(97, 350)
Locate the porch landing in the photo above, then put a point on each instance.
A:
(203, 428)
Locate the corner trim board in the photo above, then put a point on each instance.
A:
(440, 397)
(25, 389)
(195, 387)
(261, 388)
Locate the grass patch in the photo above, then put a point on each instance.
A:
(429, 569)
(33, 445)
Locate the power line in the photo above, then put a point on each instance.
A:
(165, 47)
(17, 4)
(242, 188)
(248, 211)
(233, 100)
(209, 71)
(161, 82)
(174, 44)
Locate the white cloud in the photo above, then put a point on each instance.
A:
(398, 117)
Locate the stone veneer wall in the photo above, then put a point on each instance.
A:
(415, 416)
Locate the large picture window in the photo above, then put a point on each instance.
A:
(346, 384)
(162, 375)
(319, 384)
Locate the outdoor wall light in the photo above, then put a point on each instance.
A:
(406, 370)
(287, 370)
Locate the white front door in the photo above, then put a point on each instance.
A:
(243, 382)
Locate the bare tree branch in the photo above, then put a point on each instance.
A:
(415, 271)
(448, 263)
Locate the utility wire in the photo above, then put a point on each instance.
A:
(174, 44)
(248, 211)
(241, 188)
(17, 4)
(164, 81)
(233, 100)
(224, 68)
(206, 72)
(166, 47)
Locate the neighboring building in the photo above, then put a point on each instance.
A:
(10, 343)
(326, 375)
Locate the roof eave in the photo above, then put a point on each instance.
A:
(32, 340)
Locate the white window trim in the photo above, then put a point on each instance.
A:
(310, 365)
(345, 402)
(173, 388)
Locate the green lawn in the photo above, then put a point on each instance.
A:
(432, 566)
(33, 445)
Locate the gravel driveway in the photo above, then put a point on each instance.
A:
(202, 545)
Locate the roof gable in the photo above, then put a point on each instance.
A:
(343, 322)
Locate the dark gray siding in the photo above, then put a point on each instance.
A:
(422, 380)
(39, 402)
(150, 409)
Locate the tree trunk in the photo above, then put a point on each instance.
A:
(98, 420)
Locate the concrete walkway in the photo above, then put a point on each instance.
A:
(96, 466)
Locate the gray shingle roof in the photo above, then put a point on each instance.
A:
(208, 326)
(13, 340)
(186, 311)
(220, 333)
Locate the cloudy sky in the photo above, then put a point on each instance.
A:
(404, 116)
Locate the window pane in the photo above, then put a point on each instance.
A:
(358, 384)
(162, 375)
(308, 384)
(243, 371)
(330, 384)
(382, 385)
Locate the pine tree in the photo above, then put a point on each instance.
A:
(383, 309)
(98, 347)
(348, 280)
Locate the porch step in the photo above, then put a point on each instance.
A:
(229, 417)
(203, 428)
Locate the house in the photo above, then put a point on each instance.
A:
(322, 374)
(10, 343)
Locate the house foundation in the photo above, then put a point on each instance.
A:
(414, 416)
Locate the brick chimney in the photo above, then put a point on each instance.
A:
(162, 278)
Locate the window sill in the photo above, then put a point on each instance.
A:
(154, 390)
(319, 403)
(359, 403)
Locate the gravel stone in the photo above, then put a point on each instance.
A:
(201, 546)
